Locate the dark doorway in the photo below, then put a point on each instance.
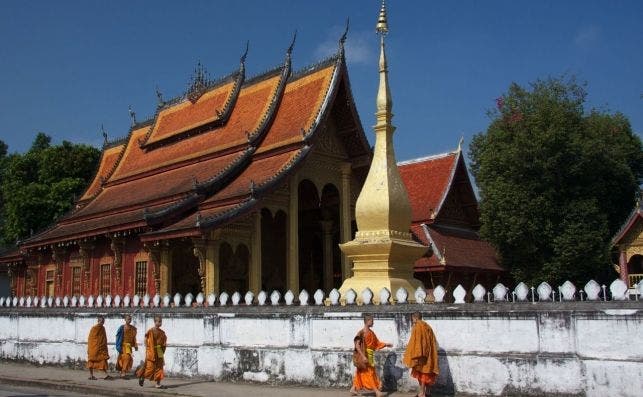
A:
(234, 268)
(185, 269)
(273, 251)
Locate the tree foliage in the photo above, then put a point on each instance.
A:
(40, 185)
(556, 182)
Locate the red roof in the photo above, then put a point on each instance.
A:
(635, 217)
(455, 249)
(427, 181)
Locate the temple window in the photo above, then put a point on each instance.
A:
(49, 282)
(141, 278)
(105, 279)
(75, 280)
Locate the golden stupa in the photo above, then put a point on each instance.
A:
(383, 251)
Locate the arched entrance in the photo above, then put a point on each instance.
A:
(234, 268)
(319, 234)
(185, 269)
(273, 251)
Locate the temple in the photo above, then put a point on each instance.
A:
(244, 184)
(628, 242)
(445, 217)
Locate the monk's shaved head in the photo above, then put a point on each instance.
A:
(101, 319)
(367, 318)
(416, 316)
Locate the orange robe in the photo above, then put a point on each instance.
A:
(155, 344)
(97, 355)
(124, 362)
(421, 354)
(367, 378)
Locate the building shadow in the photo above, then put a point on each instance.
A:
(444, 385)
(391, 373)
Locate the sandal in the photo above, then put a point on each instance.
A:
(140, 381)
(92, 378)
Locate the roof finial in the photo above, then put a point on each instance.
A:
(292, 43)
(245, 54)
(159, 95)
(342, 39)
(102, 130)
(132, 115)
(460, 142)
(382, 24)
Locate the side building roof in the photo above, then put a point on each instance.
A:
(445, 214)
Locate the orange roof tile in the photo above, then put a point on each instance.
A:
(165, 184)
(299, 108)
(250, 108)
(108, 160)
(427, 182)
(187, 115)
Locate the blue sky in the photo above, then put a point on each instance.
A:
(66, 67)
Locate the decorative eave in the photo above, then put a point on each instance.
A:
(631, 220)
(202, 190)
(434, 247)
(447, 189)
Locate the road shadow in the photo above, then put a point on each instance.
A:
(391, 373)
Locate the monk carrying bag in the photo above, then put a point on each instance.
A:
(359, 360)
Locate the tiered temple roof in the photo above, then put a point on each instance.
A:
(211, 155)
(445, 214)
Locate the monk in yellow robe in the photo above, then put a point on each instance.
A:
(97, 355)
(155, 344)
(367, 378)
(125, 342)
(421, 355)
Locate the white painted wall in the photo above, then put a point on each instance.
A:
(592, 349)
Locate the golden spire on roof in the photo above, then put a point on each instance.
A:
(382, 25)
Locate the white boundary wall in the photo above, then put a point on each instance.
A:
(580, 348)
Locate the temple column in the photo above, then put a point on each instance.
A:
(58, 255)
(85, 251)
(165, 269)
(116, 245)
(200, 247)
(327, 233)
(254, 272)
(154, 251)
(292, 280)
(345, 217)
(12, 273)
(211, 268)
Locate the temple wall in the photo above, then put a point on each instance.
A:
(575, 348)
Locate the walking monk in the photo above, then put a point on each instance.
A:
(125, 341)
(421, 355)
(155, 344)
(367, 378)
(97, 355)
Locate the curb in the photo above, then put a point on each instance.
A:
(78, 388)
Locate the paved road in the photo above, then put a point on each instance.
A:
(16, 391)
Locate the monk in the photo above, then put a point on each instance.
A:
(125, 341)
(367, 342)
(421, 355)
(97, 355)
(155, 344)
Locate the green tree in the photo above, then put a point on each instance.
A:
(556, 182)
(40, 185)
